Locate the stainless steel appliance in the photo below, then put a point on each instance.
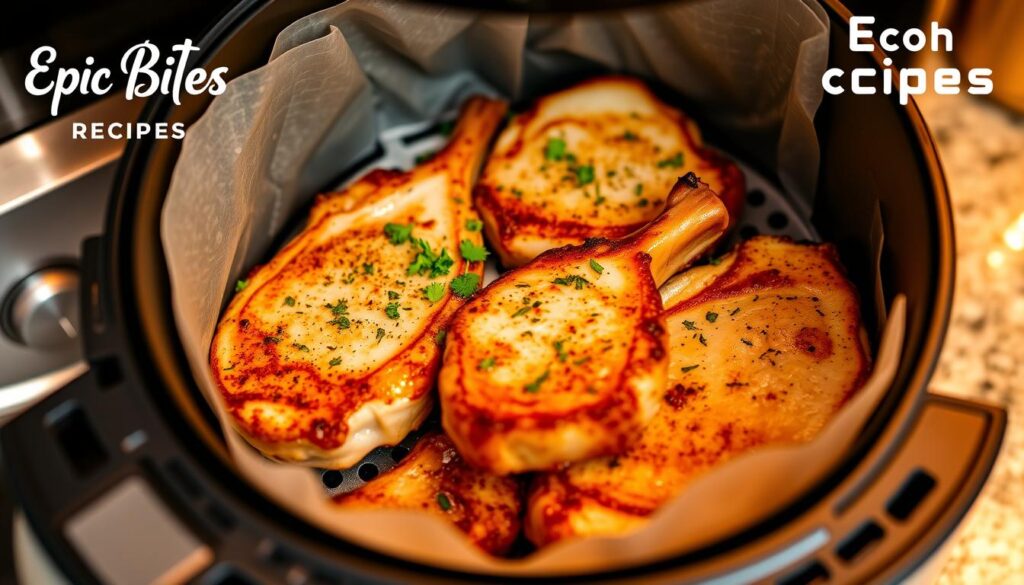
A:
(122, 476)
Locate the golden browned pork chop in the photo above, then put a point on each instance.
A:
(434, 478)
(565, 358)
(594, 160)
(329, 349)
(765, 348)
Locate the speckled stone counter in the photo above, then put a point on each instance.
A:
(982, 150)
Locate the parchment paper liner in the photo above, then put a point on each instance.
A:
(281, 132)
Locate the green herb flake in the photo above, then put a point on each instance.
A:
(703, 340)
(341, 308)
(517, 193)
(290, 301)
(398, 233)
(439, 338)
(711, 316)
(392, 295)
(643, 202)
(485, 364)
(474, 225)
(472, 252)
(341, 322)
(301, 347)
(572, 280)
(584, 175)
(560, 350)
(554, 149)
(335, 362)
(639, 189)
(240, 285)
(380, 334)
(629, 136)
(581, 361)
(391, 310)
(690, 325)
(534, 387)
(270, 339)
(685, 369)
(521, 311)
(368, 269)
(465, 285)
(596, 267)
(434, 292)
(672, 162)
(443, 501)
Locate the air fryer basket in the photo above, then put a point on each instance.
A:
(897, 495)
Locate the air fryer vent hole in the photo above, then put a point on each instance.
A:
(368, 471)
(332, 478)
(748, 231)
(860, 540)
(813, 572)
(756, 198)
(910, 495)
(399, 453)
(778, 220)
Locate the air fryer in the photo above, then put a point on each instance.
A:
(135, 432)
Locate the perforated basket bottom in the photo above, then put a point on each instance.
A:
(767, 211)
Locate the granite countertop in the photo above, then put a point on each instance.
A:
(982, 150)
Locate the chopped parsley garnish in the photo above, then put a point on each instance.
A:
(690, 325)
(380, 334)
(629, 136)
(398, 233)
(711, 316)
(639, 189)
(368, 269)
(474, 225)
(269, 339)
(290, 301)
(522, 311)
(301, 347)
(584, 175)
(427, 262)
(689, 368)
(643, 202)
(517, 193)
(581, 361)
(555, 149)
(339, 309)
(240, 285)
(596, 267)
(674, 162)
(485, 364)
(572, 280)
(391, 310)
(335, 362)
(465, 285)
(342, 322)
(472, 252)
(433, 292)
(534, 387)
(439, 338)
(560, 349)
(443, 501)
(392, 295)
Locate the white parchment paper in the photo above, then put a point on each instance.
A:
(337, 77)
